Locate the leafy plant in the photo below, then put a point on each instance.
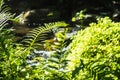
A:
(9, 64)
(56, 64)
(40, 32)
(95, 52)
(13, 65)
(79, 16)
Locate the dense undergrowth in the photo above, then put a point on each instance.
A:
(93, 54)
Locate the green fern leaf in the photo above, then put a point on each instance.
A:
(4, 14)
(35, 34)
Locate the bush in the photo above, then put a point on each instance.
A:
(95, 52)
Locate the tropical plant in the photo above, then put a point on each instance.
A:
(13, 64)
(40, 33)
(48, 66)
(95, 52)
(56, 65)
(9, 61)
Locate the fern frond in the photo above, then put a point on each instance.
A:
(5, 37)
(4, 14)
(1, 4)
(57, 61)
(35, 34)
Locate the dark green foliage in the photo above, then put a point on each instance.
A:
(95, 52)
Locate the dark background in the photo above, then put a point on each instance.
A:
(67, 8)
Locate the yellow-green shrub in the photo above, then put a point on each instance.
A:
(95, 52)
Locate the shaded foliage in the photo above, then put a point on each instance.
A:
(67, 8)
